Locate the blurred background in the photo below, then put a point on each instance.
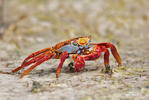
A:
(27, 26)
(27, 23)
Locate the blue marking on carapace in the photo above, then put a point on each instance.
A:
(68, 48)
(91, 48)
(73, 49)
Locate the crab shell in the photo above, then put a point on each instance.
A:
(76, 46)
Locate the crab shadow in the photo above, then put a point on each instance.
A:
(66, 70)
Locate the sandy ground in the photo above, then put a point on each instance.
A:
(130, 81)
(129, 32)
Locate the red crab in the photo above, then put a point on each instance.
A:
(78, 49)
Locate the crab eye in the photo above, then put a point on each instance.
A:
(86, 46)
(78, 45)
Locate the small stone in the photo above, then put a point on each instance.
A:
(36, 87)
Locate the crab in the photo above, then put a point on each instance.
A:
(78, 50)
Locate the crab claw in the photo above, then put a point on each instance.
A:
(79, 62)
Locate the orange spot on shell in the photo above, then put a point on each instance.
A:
(83, 41)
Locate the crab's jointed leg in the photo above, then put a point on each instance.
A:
(45, 58)
(106, 60)
(63, 57)
(35, 54)
(32, 59)
(106, 57)
(113, 50)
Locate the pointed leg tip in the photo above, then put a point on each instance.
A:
(107, 70)
(120, 64)
(21, 77)
(17, 69)
(57, 76)
(13, 71)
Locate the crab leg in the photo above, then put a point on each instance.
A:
(106, 58)
(115, 54)
(45, 58)
(35, 54)
(33, 60)
(113, 50)
(63, 58)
